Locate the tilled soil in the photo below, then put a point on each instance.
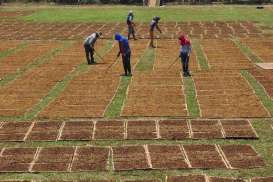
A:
(167, 129)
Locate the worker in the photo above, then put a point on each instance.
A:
(131, 25)
(125, 51)
(185, 51)
(89, 44)
(153, 25)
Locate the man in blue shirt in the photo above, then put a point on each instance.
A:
(153, 25)
(131, 25)
(125, 51)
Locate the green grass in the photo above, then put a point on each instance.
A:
(9, 52)
(201, 58)
(114, 109)
(39, 61)
(171, 13)
(259, 91)
(192, 104)
(146, 62)
(247, 51)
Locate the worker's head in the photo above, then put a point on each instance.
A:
(98, 34)
(118, 37)
(156, 18)
(130, 12)
(182, 37)
(184, 40)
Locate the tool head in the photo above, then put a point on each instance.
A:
(98, 34)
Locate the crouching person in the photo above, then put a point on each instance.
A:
(125, 51)
(89, 46)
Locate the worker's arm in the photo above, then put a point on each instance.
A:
(157, 27)
(121, 50)
(190, 49)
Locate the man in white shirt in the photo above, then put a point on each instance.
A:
(89, 44)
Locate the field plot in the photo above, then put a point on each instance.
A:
(224, 55)
(88, 95)
(13, 29)
(265, 77)
(89, 158)
(261, 47)
(226, 94)
(31, 53)
(127, 130)
(20, 96)
(81, 98)
(5, 45)
(155, 94)
(167, 53)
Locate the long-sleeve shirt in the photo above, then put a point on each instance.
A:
(124, 47)
(153, 24)
(130, 19)
(91, 40)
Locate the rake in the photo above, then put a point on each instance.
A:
(174, 62)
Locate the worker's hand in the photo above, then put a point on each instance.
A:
(118, 55)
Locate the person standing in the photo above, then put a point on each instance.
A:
(185, 51)
(153, 25)
(125, 51)
(131, 25)
(89, 44)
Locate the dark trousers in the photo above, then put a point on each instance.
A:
(126, 60)
(131, 31)
(89, 52)
(185, 62)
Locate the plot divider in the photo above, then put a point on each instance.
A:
(75, 154)
(60, 131)
(35, 158)
(190, 128)
(148, 156)
(223, 156)
(222, 129)
(94, 130)
(29, 131)
(125, 129)
(184, 153)
(2, 151)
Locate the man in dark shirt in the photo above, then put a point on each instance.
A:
(125, 51)
(89, 44)
(153, 25)
(131, 25)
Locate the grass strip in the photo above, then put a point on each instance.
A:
(170, 13)
(201, 58)
(259, 91)
(247, 51)
(191, 99)
(54, 92)
(11, 51)
(114, 109)
(39, 61)
(146, 62)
